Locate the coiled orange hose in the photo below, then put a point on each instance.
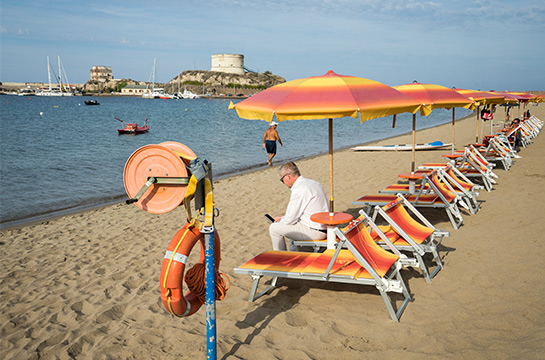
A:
(195, 280)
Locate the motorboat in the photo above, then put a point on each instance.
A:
(188, 94)
(91, 102)
(133, 128)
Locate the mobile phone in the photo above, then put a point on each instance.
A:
(269, 217)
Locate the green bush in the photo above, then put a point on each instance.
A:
(120, 85)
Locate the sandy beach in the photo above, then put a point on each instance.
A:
(86, 285)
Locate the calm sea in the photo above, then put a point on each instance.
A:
(59, 155)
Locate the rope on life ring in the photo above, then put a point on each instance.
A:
(172, 273)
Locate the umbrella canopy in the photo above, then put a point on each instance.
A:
(508, 97)
(509, 100)
(522, 96)
(433, 97)
(327, 96)
(481, 98)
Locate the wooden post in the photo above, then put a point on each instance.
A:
(414, 144)
(331, 201)
(453, 126)
(477, 135)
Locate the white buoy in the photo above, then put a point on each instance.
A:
(41, 113)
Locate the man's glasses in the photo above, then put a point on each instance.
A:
(282, 178)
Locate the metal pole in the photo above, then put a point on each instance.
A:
(210, 275)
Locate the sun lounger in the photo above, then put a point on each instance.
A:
(450, 177)
(472, 165)
(362, 262)
(402, 234)
(467, 189)
(495, 151)
(409, 235)
(441, 197)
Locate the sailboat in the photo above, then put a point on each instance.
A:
(65, 87)
(155, 93)
(151, 93)
(55, 91)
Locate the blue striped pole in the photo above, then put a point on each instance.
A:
(210, 274)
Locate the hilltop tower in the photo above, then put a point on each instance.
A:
(228, 63)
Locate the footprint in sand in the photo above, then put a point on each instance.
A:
(294, 319)
(115, 313)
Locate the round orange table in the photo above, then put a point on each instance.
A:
(453, 156)
(331, 219)
(413, 177)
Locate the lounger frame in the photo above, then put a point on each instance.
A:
(391, 282)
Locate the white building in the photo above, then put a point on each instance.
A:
(101, 73)
(228, 63)
(137, 90)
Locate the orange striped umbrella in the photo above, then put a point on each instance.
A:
(326, 97)
(482, 98)
(434, 97)
(509, 100)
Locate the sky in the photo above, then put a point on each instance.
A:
(474, 44)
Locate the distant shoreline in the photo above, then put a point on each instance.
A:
(225, 96)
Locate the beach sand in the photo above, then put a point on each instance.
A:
(86, 285)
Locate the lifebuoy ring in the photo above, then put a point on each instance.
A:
(172, 271)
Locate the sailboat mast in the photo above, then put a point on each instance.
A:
(60, 80)
(49, 73)
(65, 76)
(153, 83)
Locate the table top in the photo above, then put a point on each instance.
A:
(453, 156)
(414, 175)
(334, 218)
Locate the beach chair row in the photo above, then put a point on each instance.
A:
(371, 254)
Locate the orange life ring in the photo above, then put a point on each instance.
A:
(172, 271)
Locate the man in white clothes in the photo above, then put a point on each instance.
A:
(307, 198)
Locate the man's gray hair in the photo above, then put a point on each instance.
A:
(289, 168)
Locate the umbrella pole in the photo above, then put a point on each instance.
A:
(492, 123)
(331, 207)
(414, 144)
(453, 117)
(477, 135)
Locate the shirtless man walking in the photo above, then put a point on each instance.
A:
(269, 141)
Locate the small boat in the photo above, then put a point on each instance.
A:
(403, 147)
(187, 94)
(133, 128)
(91, 102)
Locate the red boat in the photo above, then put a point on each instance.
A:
(132, 128)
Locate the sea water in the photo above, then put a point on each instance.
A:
(59, 155)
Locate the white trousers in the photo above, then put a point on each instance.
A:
(298, 231)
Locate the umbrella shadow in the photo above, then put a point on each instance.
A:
(288, 294)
